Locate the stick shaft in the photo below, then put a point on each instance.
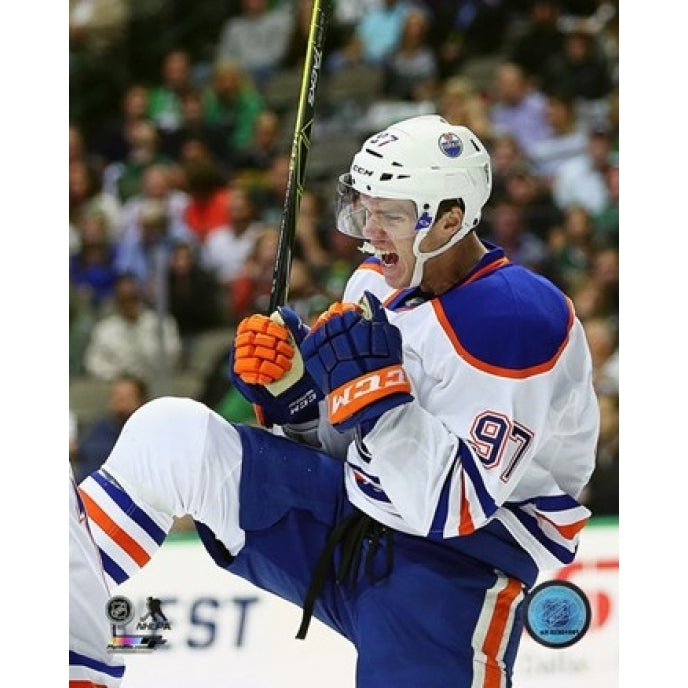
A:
(301, 143)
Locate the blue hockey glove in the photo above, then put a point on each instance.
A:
(354, 355)
(267, 368)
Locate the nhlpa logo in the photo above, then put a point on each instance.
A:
(450, 144)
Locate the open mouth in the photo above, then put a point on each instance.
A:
(387, 258)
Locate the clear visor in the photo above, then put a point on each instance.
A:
(359, 215)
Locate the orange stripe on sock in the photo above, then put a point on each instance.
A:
(125, 541)
(496, 631)
(85, 684)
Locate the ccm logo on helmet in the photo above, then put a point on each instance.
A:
(352, 396)
(362, 170)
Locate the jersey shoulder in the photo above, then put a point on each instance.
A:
(366, 277)
(510, 321)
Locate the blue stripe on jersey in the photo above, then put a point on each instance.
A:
(370, 486)
(487, 504)
(531, 525)
(551, 503)
(440, 518)
(509, 318)
(112, 569)
(125, 502)
(75, 659)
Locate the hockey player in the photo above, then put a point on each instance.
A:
(90, 665)
(440, 424)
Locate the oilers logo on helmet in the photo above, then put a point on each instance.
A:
(450, 145)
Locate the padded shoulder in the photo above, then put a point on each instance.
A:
(511, 322)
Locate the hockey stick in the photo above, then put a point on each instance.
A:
(300, 147)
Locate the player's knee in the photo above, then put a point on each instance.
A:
(161, 448)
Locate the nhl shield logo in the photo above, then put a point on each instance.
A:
(450, 144)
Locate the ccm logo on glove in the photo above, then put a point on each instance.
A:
(352, 396)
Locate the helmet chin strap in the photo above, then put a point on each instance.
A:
(423, 256)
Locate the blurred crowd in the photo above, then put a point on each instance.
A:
(179, 149)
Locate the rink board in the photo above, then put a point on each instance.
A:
(224, 631)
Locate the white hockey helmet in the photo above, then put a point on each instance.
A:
(423, 159)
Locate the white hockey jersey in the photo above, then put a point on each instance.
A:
(501, 436)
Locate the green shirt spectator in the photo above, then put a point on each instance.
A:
(232, 101)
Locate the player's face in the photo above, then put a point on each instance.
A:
(390, 229)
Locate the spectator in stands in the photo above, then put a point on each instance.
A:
(583, 180)
(518, 109)
(459, 103)
(376, 36)
(145, 152)
(306, 297)
(227, 247)
(164, 106)
(534, 198)
(134, 339)
(86, 195)
(193, 295)
(604, 271)
(506, 228)
(157, 185)
(310, 229)
(570, 250)
(249, 290)
(92, 269)
(232, 102)
(193, 125)
(539, 40)
(468, 29)
(98, 34)
(114, 139)
(606, 221)
(253, 162)
(583, 72)
(209, 197)
(410, 70)
(566, 141)
(145, 250)
(268, 193)
(95, 443)
(81, 321)
(257, 37)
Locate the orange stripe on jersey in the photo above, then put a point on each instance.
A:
(517, 374)
(391, 297)
(375, 267)
(484, 271)
(85, 684)
(125, 541)
(495, 633)
(466, 525)
(570, 530)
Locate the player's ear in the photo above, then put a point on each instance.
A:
(449, 220)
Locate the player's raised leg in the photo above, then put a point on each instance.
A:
(174, 457)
